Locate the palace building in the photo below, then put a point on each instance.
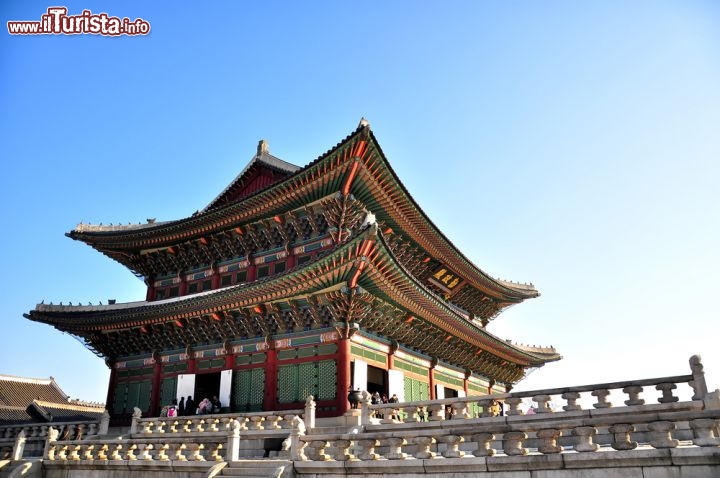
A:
(298, 281)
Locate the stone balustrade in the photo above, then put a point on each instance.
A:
(160, 450)
(604, 435)
(280, 421)
(578, 432)
(567, 399)
(28, 440)
(40, 431)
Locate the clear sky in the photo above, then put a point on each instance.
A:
(574, 145)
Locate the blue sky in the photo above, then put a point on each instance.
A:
(573, 145)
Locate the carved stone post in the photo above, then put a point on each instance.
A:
(452, 449)
(86, 452)
(705, 432)
(367, 449)
(145, 450)
(513, 443)
(50, 443)
(19, 446)
(621, 435)
(667, 395)
(319, 447)
(549, 438)
(423, 448)
(365, 408)
(633, 392)
(662, 434)
(571, 398)
(585, 439)
(483, 444)
(395, 445)
(296, 445)
(272, 422)
(115, 455)
(543, 402)
(460, 410)
(601, 396)
(104, 423)
(485, 404)
(698, 382)
(137, 414)
(513, 406)
(130, 453)
(233, 442)
(342, 448)
(310, 406)
(436, 412)
(195, 452)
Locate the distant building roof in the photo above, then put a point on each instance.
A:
(31, 400)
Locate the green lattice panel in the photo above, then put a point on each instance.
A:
(132, 395)
(119, 399)
(307, 381)
(144, 395)
(240, 391)
(257, 388)
(415, 390)
(287, 383)
(248, 388)
(168, 387)
(327, 380)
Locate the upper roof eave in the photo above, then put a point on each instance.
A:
(444, 248)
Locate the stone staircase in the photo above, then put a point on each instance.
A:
(265, 468)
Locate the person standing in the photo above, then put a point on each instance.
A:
(181, 407)
(190, 406)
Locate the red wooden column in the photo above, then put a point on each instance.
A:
(216, 276)
(431, 376)
(155, 404)
(111, 388)
(343, 375)
(251, 270)
(183, 284)
(151, 289)
(271, 382)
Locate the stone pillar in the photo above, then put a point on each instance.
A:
(233, 442)
(310, 406)
(698, 382)
(298, 429)
(19, 447)
(365, 408)
(104, 423)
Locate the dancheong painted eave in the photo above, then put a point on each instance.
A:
(356, 166)
(382, 285)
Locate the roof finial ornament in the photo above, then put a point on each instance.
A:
(263, 147)
(363, 123)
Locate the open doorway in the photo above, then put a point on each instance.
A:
(376, 380)
(207, 385)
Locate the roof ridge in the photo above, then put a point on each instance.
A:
(36, 381)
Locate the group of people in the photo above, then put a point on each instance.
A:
(189, 407)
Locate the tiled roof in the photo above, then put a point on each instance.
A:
(20, 391)
(27, 400)
(263, 156)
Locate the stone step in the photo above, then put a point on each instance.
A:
(256, 468)
(341, 430)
